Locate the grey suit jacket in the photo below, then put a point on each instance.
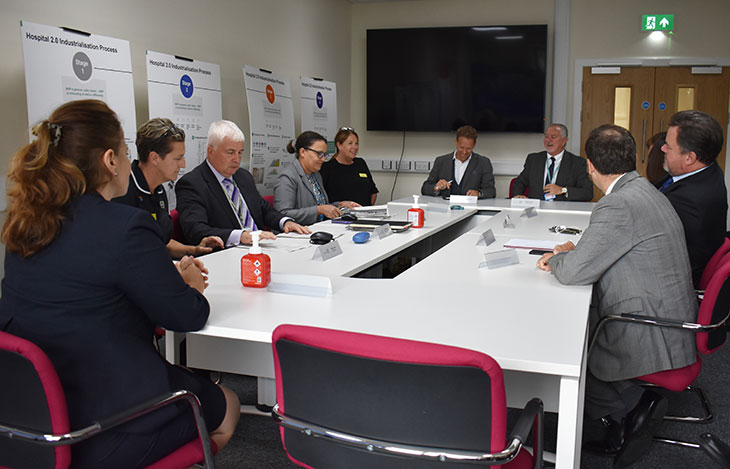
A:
(634, 254)
(293, 194)
(572, 174)
(478, 175)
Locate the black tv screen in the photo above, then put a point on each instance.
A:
(437, 79)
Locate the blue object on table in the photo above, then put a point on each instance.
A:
(456, 207)
(361, 237)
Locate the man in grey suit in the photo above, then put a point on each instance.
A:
(462, 172)
(634, 254)
(554, 174)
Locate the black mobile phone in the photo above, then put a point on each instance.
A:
(539, 252)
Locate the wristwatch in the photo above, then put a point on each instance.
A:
(564, 191)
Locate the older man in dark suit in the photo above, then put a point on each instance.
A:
(554, 174)
(219, 198)
(696, 185)
(618, 255)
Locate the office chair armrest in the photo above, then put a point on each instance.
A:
(119, 419)
(373, 445)
(651, 321)
(531, 417)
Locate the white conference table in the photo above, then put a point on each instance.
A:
(534, 327)
(498, 204)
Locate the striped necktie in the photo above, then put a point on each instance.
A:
(551, 168)
(239, 205)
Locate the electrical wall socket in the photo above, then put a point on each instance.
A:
(387, 165)
(422, 165)
(403, 165)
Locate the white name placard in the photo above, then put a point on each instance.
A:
(497, 259)
(463, 199)
(486, 238)
(382, 232)
(524, 203)
(327, 251)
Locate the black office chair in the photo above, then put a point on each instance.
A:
(361, 401)
(716, 449)
(34, 425)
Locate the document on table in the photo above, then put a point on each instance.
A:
(520, 243)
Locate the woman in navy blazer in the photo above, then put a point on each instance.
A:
(87, 280)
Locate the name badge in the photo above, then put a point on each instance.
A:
(363, 175)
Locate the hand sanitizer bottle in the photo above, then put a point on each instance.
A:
(416, 216)
(255, 266)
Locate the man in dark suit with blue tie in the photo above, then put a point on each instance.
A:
(554, 174)
(219, 198)
(696, 185)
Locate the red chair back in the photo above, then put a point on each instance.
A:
(31, 397)
(385, 388)
(269, 199)
(177, 233)
(526, 193)
(714, 263)
(714, 308)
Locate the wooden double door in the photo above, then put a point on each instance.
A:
(642, 99)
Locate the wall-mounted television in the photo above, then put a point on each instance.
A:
(437, 79)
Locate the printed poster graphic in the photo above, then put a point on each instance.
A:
(63, 65)
(188, 92)
(319, 108)
(271, 114)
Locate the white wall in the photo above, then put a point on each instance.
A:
(290, 37)
(427, 145)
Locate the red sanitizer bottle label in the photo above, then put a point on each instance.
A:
(415, 217)
(255, 270)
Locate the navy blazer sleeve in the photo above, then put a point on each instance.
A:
(150, 280)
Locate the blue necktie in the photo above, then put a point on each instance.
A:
(666, 184)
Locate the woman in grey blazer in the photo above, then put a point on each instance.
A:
(299, 192)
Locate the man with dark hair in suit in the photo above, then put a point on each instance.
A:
(618, 255)
(696, 185)
(462, 172)
(554, 174)
(219, 198)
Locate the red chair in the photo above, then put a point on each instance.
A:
(354, 400)
(34, 425)
(526, 193)
(269, 199)
(714, 263)
(177, 233)
(713, 314)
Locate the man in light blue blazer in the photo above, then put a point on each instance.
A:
(634, 254)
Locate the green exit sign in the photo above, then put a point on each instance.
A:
(657, 22)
